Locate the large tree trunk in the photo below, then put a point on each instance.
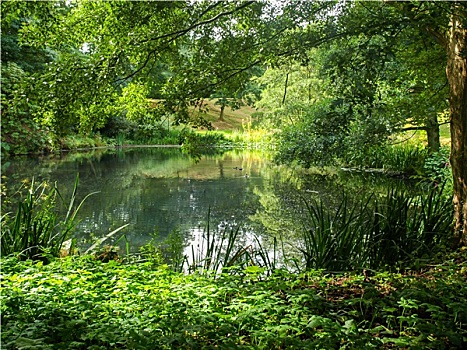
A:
(221, 117)
(432, 133)
(456, 71)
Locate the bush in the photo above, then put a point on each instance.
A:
(195, 144)
(150, 132)
(437, 168)
(318, 139)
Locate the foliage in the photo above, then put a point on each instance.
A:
(407, 157)
(76, 141)
(125, 131)
(289, 91)
(323, 139)
(169, 251)
(437, 167)
(116, 57)
(317, 139)
(21, 134)
(251, 139)
(37, 231)
(195, 144)
(79, 302)
(370, 84)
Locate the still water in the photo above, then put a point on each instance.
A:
(161, 190)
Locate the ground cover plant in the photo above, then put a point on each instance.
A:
(82, 303)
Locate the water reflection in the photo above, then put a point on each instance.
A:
(161, 189)
(152, 189)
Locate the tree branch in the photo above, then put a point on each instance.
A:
(175, 35)
(181, 32)
(285, 88)
(238, 71)
(414, 128)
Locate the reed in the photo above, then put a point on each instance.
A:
(405, 157)
(405, 228)
(220, 251)
(394, 230)
(391, 231)
(37, 231)
(334, 240)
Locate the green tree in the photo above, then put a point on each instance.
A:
(206, 44)
(290, 90)
(20, 66)
(446, 23)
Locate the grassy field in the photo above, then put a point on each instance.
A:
(445, 134)
(233, 119)
(420, 136)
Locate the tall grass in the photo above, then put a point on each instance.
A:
(37, 231)
(252, 139)
(389, 231)
(404, 157)
(406, 228)
(218, 251)
(332, 240)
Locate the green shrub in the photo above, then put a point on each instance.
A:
(169, 251)
(304, 145)
(116, 125)
(195, 144)
(129, 131)
(437, 167)
(21, 134)
(77, 141)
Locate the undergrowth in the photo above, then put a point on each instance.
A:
(82, 303)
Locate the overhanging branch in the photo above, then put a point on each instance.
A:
(177, 34)
(182, 32)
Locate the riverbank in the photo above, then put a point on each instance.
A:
(82, 303)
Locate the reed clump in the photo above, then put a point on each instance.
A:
(37, 230)
(393, 230)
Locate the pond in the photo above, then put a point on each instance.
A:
(160, 189)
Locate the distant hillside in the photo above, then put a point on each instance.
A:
(233, 120)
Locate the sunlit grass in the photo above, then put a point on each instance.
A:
(233, 119)
(445, 134)
(419, 136)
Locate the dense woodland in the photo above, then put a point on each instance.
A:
(333, 84)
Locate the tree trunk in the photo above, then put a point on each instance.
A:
(285, 88)
(432, 133)
(456, 71)
(221, 117)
